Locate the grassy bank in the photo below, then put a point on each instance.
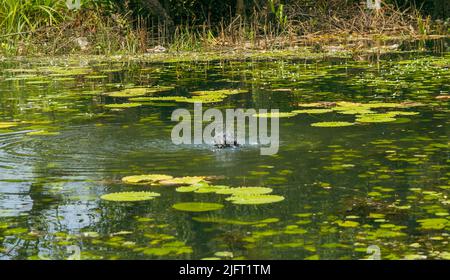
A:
(51, 27)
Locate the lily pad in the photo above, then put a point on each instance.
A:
(197, 206)
(332, 124)
(123, 105)
(7, 125)
(187, 189)
(312, 111)
(201, 187)
(131, 92)
(255, 199)
(211, 189)
(275, 115)
(376, 118)
(433, 223)
(158, 98)
(245, 191)
(347, 224)
(188, 180)
(42, 133)
(219, 92)
(218, 220)
(129, 196)
(144, 179)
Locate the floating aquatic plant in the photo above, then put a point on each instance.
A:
(376, 118)
(159, 98)
(312, 111)
(173, 247)
(220, 92)
(347, 224)
(187, 189)
(211, 189)
(95, 77)
(188, 180)
(129, 196)
(316, 104)
(224, 254)
(123, 105)
(434, 223)
(131, 92)
(255, 199)
(42, 133)
(403, 113)
(234, 222)
(139, 91)
(275, 115)
(7, 125)
(197, 206)
(332, 124)
(144, 179)
(245, 191)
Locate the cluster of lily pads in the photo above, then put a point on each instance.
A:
(33, 128)
(138, 96)
(194, 184)
(364, 112)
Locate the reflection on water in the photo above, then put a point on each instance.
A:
(345, 188)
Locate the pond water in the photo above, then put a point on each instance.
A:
(381, 181)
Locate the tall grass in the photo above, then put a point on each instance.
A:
(21, 16)
(113, 26)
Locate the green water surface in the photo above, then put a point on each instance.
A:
(345, 188)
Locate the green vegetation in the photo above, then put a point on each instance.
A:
(86, 156)
(37, 27)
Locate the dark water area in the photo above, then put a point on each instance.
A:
(345, 188)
